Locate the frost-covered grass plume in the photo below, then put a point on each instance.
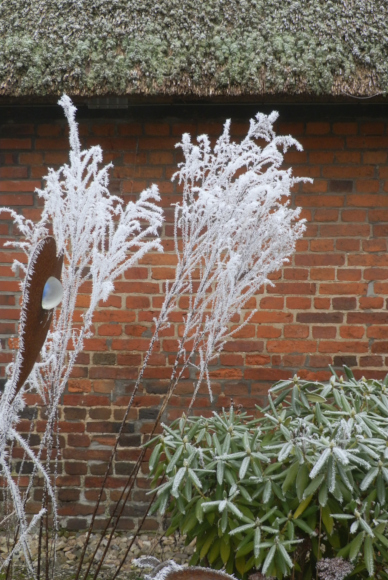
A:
(100, 238)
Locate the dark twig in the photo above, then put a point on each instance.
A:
(47, 540)
(132, 477)
(134, 537)
(113, 454)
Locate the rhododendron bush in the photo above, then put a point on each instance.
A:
(303, 481)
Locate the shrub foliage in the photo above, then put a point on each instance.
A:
(304, 480)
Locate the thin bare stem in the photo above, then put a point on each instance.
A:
(134, 537)
(40, 548)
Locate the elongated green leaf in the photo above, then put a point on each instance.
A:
(225, 550)
(327, 519)
(302, 506)
(175, 459)
(380, 486)
(333, 372)
(302, 480)
(344, 552)
(345, 403)
(281, 397)
(337, 398)
(303, 526)
(199, 510)
(366, 527)
(256, 542)
(295, 403)
(381, 538)
(272, 406)
(319, 415)
(243, 528)
(220, 472)
(313, 486)
(194, 478)
(230, 477)
(234, 509)
(177, 481)
(314, 398)
(244, 467)
(224, 521)
(267, 491)
(240, 564)
(369, 555)
(208, 542)
(292, 472)
(290, 530)
(281, 385)
(214, 551)
(344, 476)
(322, 496)
(348, 372)
(217, 444)
(278, 491)
(355, 546)
(245, 547)
(188, 489)
(285, 555)
(180, 505)
(154, 457)
(226, 444)
(268, 560)
(189, 523)
(303, 399)
(368, 479)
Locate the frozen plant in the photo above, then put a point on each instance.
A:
(99, 238)
(236, 227)
(227, 482)
(233, 227)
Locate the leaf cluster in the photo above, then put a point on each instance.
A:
(303, 480)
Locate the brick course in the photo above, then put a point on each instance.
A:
(328, 305)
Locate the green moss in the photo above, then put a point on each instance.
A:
(166, 47)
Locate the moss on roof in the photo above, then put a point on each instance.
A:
(193, 47)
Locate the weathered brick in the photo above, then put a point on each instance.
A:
(291, 346)
(319, 317)
(340, 186)
(349, 361)
(344, 303)
(324, 332)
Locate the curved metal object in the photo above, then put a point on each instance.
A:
(35, 321)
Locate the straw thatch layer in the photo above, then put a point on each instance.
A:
(191, 47)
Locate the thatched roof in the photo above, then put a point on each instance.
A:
(195, 48)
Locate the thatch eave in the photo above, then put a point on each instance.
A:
(239, 49)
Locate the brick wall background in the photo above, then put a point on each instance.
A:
(328, 305)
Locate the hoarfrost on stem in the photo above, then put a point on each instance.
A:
(233, 228)
(236, 227)
(100, 238)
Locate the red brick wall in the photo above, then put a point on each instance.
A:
(328, 305)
